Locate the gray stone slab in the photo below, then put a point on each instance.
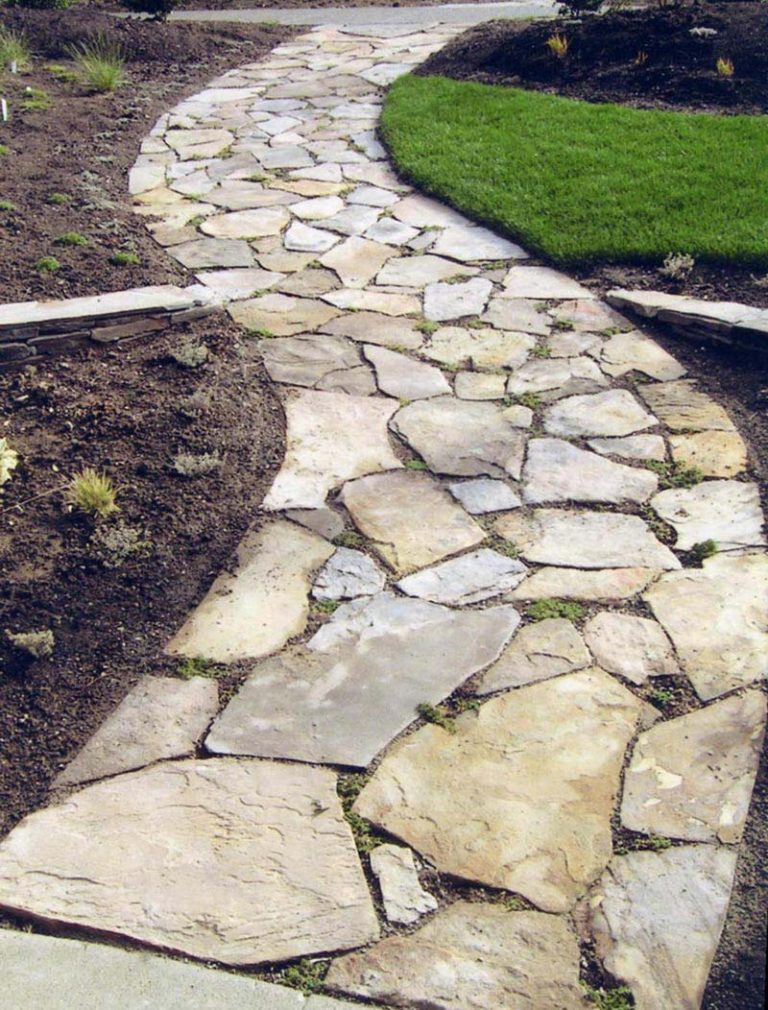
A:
(214, 252)
(347, 574)
(378, 22)
(614, 412)
(404, 377)
(454, 301)
(471, 578)
(556, 471)
(306, 360)
(485, 495)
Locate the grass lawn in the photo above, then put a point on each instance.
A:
(580, 183)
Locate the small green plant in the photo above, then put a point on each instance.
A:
(71, 238)
(35, 99)
(676, 474)
(4, 150)
(94, 493)
(124, 259)
(47, 265)
(701, 551)
(38, 644)
(564, 325)
(438, 715)
(59, 198)
(101, 62)
(725, 67)
(260, 331)
(190, 354)
(13, 49)
(542, 610)
(513, 904)
(540, 351)
(529, 400)
(196, 666)
(415, 464)
(426, 326)
(475, 324)
(6, 205)
(325, 606)
(61, 73)
(660, 697)
(307, 975)
(350, 538)
(506, 547)
(610, 999)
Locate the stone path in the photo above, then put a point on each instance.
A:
(465, 504)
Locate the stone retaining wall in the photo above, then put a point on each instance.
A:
(32, 331)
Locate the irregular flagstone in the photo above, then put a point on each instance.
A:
(588, 315)
(453, 345)
(317, 208)
(570, 345)
(401, 376)
(692, 777)
(726, 511)
(304, 360)
(453, 301)
(173, 857)
(577, 584)
(281, 315)
(325, 521)
(56, 974)
(682, 407)
(371, 328)
(581, 539)
(470, 244)
(357, 381)
(247, 223)
(372, 196)
(410, 520)
(309, 283)
(353, 220)
(614, 412)
(236, 284)
(357, 260)
(418, 271)
(262, 603)
(162, 717)
(542, 282)
(485, 495)
(405, 900)
(471, 578)
(557, 377)
(517, 314)
(539, 770)
(423, 212)
(332, 437)
(391, 232)
(538, 651)
(470, 957)
(462, 437)
(242, 195)
(631, 447)
(213, 252)
(717, 618)
(558, 471)
(479, 386)
(303, 238)
(358, 682)
(348, 574)
(384, 302)
(634, 352)
(715, 453)
(634, 647)
(657, 917)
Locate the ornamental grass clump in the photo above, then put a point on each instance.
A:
(13, 49)
(93, 493)
(101, 62)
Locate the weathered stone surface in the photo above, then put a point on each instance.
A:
(553, 752)
(243, 195)
(470, 244)
(281, 315)
(583, 539)
(404, 377)
(576, 584)
(462, 437)
(479, 386)
(309, 283)
(405, 900)
(634, 352)
(453, 301)
(471, 957)
(453, 345)
(358, 683)
(372, 196)
(631, 447)
(541, 282)
(717, 618)
(372, 328)
(588, 315)
(725, 511)
(357, 260)
(422, 212)
(555, 378)
(324, 521)
(410, 519)
(571, 344)
(485, 495)
(682, 407)
(537, 652)
(213, 252)
(247, 223)
(692, 777)
(383, 302)
(357, 381)
(634, 647)
(55, 974)
(391, 232)
(317, 208)
(162, 717)
(305, 360)
(657, 919)
(262, 604)
(614, 412)
(418, 271)
(517, 314)
(353, 220)
(236, 284)
(471, 578)
(303, 238)
(172, 856)
(332, 437)
(558, 471)
(715, 453)
(347, 574)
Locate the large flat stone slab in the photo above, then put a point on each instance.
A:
(542, 283)
(692, 777)
(717, 618)
(256, 608)
(470, 244)
(247, 224)
(161, 718)
(715, 453)
(373, 328)
(682, 407)
(657, 918)
(614, 412)
(307, 360)
(472, 578)
(410, 520)
(556, 471)
(726, 511)
(470, 956)
(481, 348)
(537, 652)
(444, 301)
(281, 315)
(634, 352)
(555, 378)
(359, 681)
(538, 773)
(176, 857)
(403, 377)
(631, 646)
(332, 437)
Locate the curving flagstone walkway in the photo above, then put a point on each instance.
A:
(468, 434)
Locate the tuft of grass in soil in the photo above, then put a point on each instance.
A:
(124, 259)
(196, 666)
(542, 610)
(306, 975)
(701, 551)
(573, 180)
(416, 464)
(348, 788)
(438, 715)
(59, 198)
(610, 999)
(675, 474)
(93, 493)
(47, 265)
(71, 238)
(350, 538)
(324, 606)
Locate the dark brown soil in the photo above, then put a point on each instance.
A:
(85, 143)
(223, 5)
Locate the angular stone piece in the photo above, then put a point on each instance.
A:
(615, 412)
(556, 471)
(717, 618)
(213, 252)
(553, 753)
(572, 344)
(241, 195)
(391, 232)
(485, 495)
(453, 345)
(357, 260)
(580, 539)
(715, 453)
(324, 521)
(726, 511)
(332, 437)
(471, 578)
(538, 651)
(405, 900)
(418, 271)
(358, 683)
(479, 386)
(173, 857)
(317, 208)
(353, 220)
(682, 407)
(542, 282)
(462, 437)
(304, 361)
(162, 717)
(555, 378)
(262, 603)
(383, 302)
(517, 314)
(422, 212)
(576, 584)
(303, 238)
(410, 519)
(453, 301)
(309, 283)
(281, 315)
(348, 574)
(634, 352)
(470, 244)
(247, 223)
(631, 447)
(588, 315)
(372, 328)
(471, 957)
(403, 377)
(634, 647)
(657, 918)
(236, 284)
(692, 777)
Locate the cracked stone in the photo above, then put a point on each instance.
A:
(304, 361)
(357, 260)
(556, 377)
(247, 223)
(405, 900)
(682, 407)
(372, 328)
(538, 651)
(577, 584)
(403, 377)
(634, 352)
(634, 647)
(715, 453)
(614, 412)
(418, 271)
(631, 447)
(471, 578)
(453, 345)
(281, 315)
(453, 301)
(726, 511)
(485, 495)
(556, 471)
(347, 574)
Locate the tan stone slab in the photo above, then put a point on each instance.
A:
(246, 223)
(373, 328)
(634, 352)
(538, 651)
(634, 647)
(281, 315)
(556, 471)
(715, 453)
(357, 260)
(405, 900)
(383, 302)
(487, 348)
(682, 407)
(255, 610)
(576, 584)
